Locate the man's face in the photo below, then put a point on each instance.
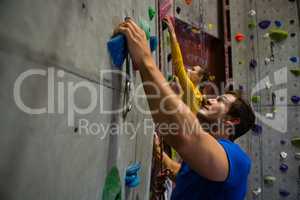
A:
(216, 108)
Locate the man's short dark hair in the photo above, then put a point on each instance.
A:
(241, 110)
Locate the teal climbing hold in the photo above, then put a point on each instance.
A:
(132, 179)
(151, 12)
(278, 35)
(153, 43)
(146, 27)
(112, 189)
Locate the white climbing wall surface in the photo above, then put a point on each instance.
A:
(263, 68)
(42, 156)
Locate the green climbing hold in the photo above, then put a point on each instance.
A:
(296, 141)
(112, 188)
(255, 99)
(146, 27)
(278, 35)
(252, 25)
(151, 12)
(296, 72)
(269, 179)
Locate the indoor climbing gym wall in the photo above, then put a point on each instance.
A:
(59, 138)
(265, 61)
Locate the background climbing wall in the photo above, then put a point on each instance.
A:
(41, 156)
(261, 68)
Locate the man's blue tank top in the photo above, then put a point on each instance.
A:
(191, 186)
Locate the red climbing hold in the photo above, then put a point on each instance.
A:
(239, 37)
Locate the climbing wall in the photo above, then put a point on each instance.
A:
(265, 57)
(67, 153)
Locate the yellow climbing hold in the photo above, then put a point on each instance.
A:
(269, 179)
(296, 141)
(296, 72)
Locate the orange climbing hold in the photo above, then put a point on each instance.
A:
(188, 2)
(239, 37)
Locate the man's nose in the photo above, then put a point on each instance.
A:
(211, 101)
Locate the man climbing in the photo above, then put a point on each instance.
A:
(213, 166)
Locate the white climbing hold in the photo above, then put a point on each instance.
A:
(270, 115)
(252, 12)
(268, 85)
(257, 191)
(266, 36)
(267, 61)
(283, 155)
(297, 156)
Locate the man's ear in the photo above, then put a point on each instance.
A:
(232, 121)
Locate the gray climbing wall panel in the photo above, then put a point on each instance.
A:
(201, 13)
(265, 148)
(42, 156)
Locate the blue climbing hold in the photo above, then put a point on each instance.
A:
(294, 59)
(241, 88)
(278, 23)
(264, 24)
(132, 179)
(283, 167)
(117, 48)
(253, 63)
(284, 193)
(153, 43)
(257, 129)
(283, 142)
(295, 99)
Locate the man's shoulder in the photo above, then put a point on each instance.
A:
(233, 148)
